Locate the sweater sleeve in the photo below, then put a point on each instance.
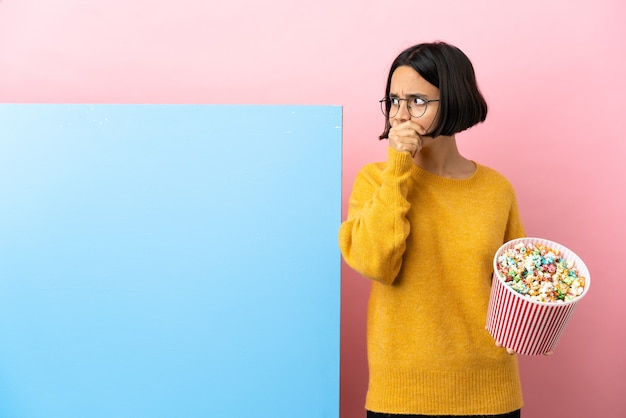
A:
(373, 237)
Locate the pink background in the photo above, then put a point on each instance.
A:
(552, 73)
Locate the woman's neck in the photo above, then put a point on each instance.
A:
(441, 156)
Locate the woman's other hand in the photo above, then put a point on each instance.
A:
(511, 351)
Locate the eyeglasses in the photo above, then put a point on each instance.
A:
(415, 104)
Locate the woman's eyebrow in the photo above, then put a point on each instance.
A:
(420, 95)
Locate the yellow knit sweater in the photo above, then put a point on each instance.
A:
(427, 242)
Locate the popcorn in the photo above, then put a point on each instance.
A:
(536, 287)
(540, 273)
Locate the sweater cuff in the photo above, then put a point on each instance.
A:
(399, 162)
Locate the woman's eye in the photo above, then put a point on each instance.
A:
(395, 101)
(418, 101)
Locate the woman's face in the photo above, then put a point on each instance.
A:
(406, 83)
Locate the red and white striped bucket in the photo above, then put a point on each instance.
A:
(523, 324)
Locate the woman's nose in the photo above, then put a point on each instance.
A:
(403, 112)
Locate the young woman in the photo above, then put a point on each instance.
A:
(424, 226)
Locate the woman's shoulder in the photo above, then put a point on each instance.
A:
(369, 175)
(372, 169)
(493, 176)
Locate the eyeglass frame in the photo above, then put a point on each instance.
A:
(387, 101)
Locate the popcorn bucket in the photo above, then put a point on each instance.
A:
(525, 325)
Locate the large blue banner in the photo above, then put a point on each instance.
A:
(169, 261)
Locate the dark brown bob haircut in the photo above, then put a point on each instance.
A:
(461, 105)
